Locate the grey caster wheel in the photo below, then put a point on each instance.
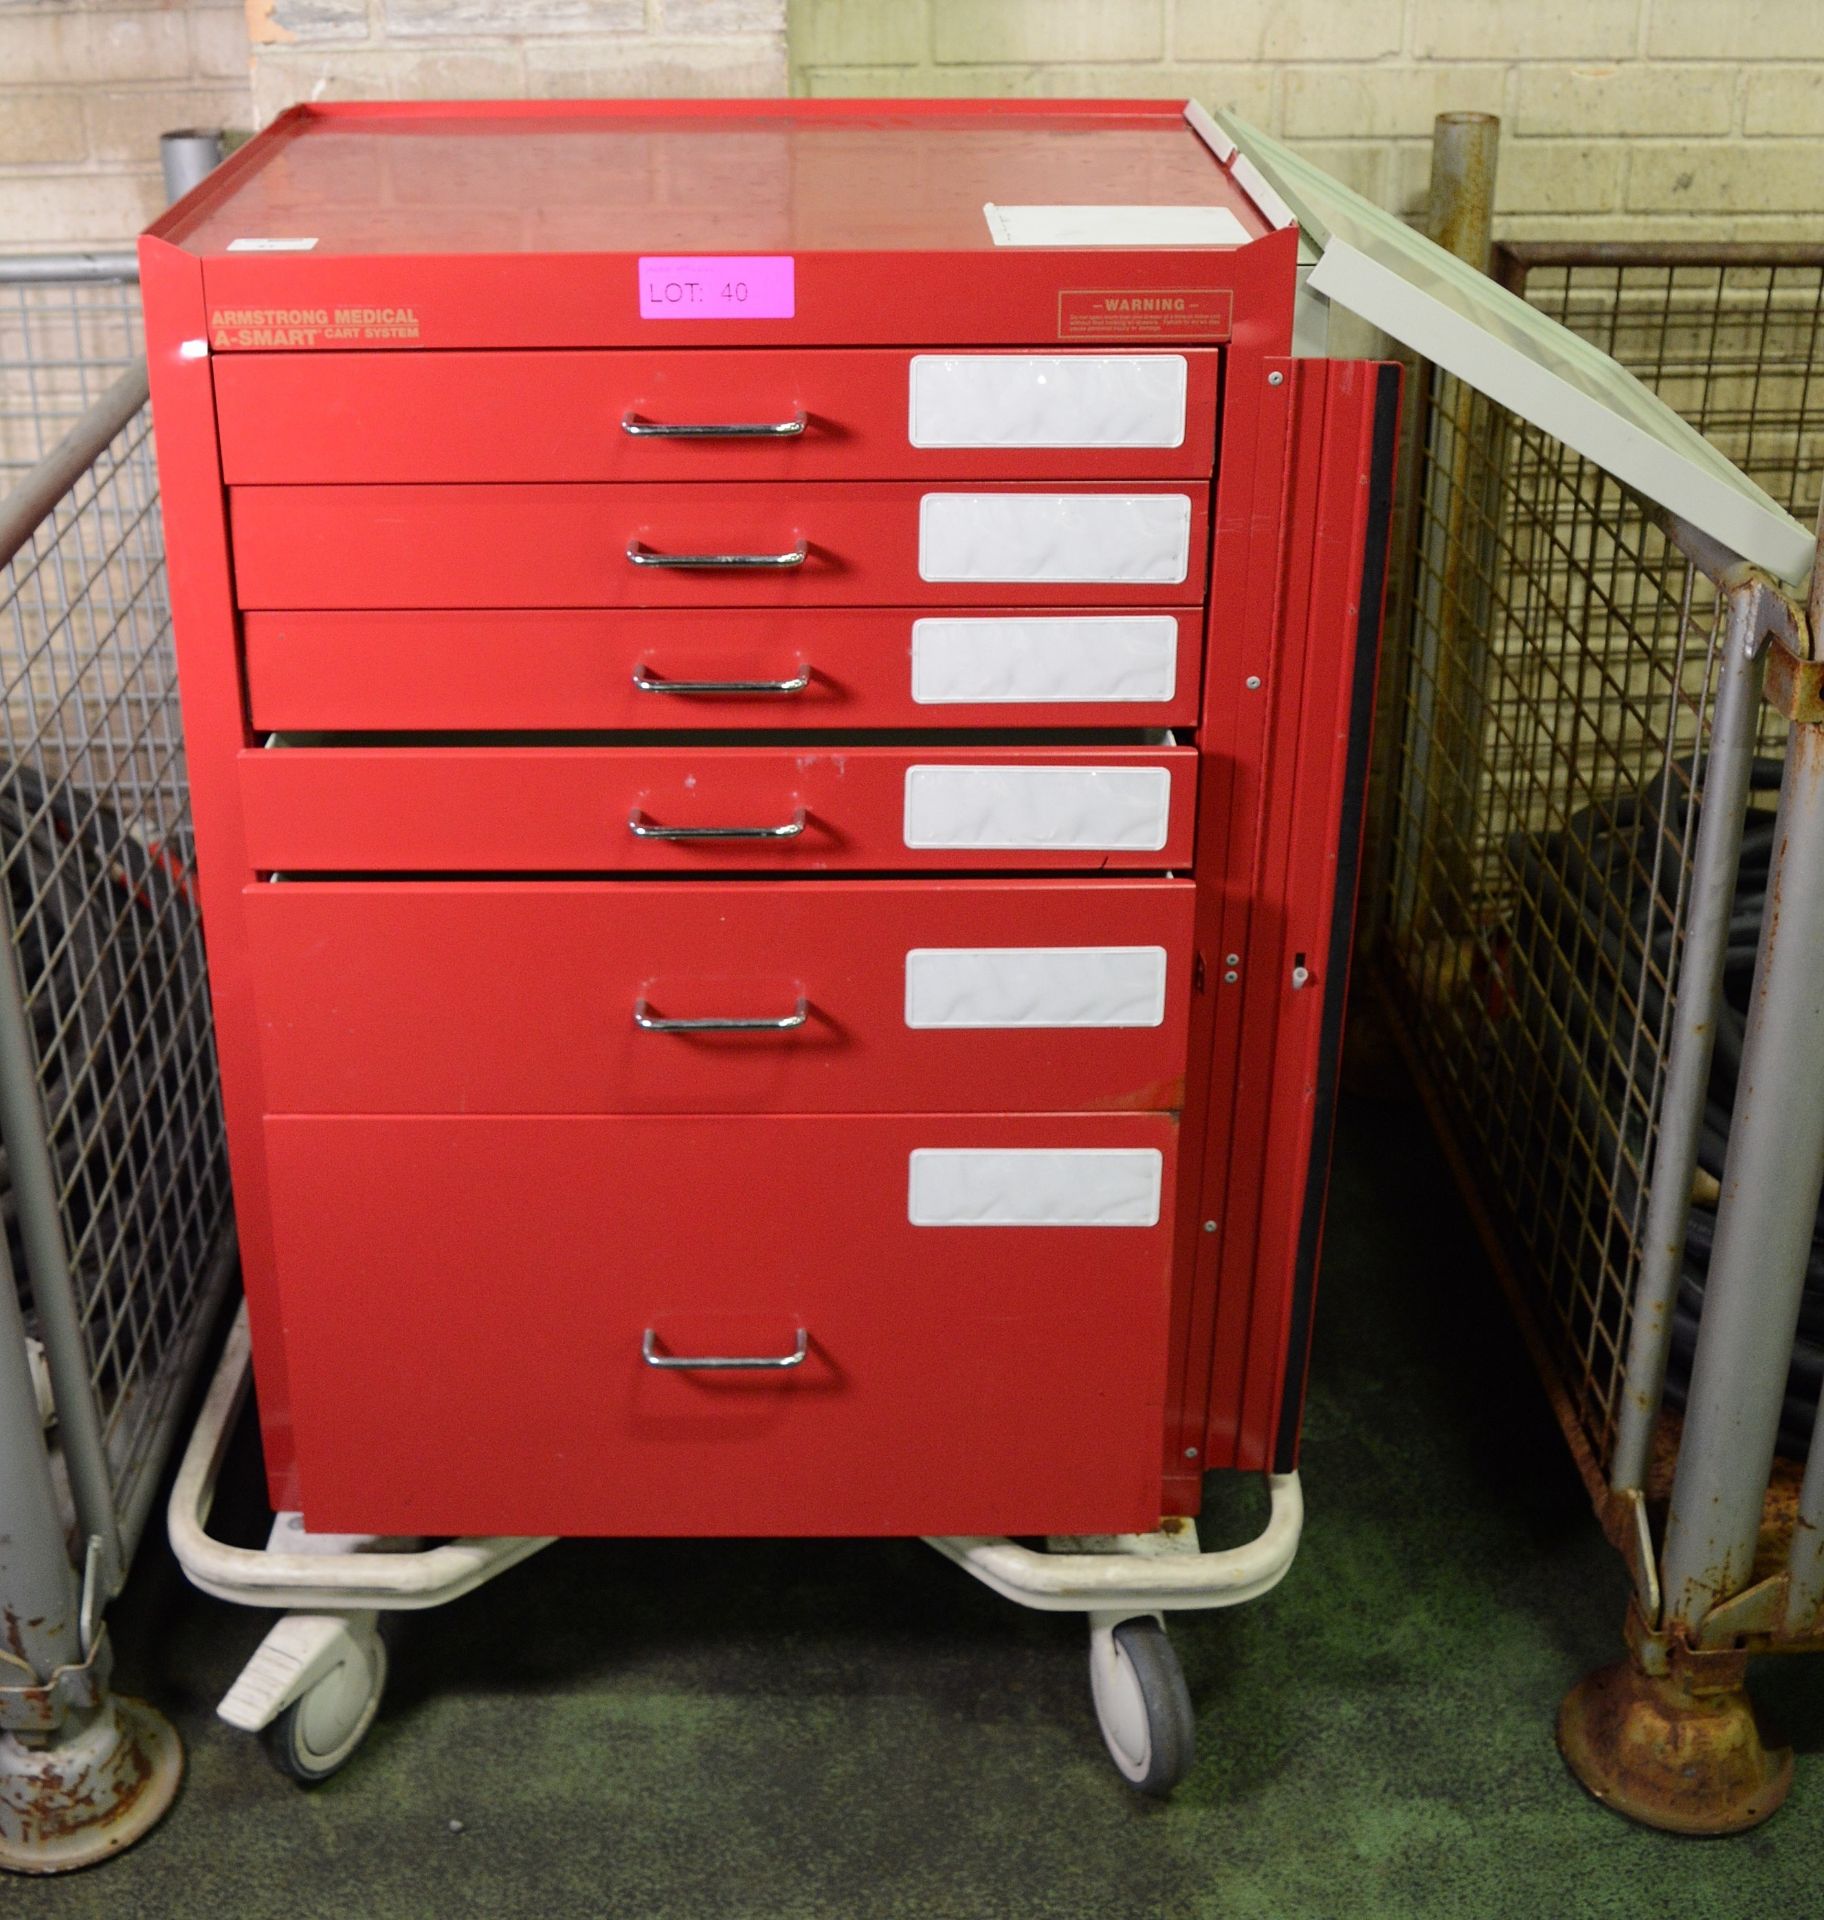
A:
(1142, 1703)
(318, 1732)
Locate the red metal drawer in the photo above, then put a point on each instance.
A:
(336, 417)
(879, 667)
(575, 809)
(466, 1301)
(574, 546)
(1023, 996)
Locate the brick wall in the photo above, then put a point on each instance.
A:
(87, 86)
(1632, 118)
(507, 49)
(1621, 119)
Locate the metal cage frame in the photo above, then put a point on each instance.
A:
(1592, 718)
(120, 1239)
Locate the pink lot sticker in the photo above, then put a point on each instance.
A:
(717, 287)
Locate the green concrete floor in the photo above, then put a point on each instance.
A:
(846, 1729)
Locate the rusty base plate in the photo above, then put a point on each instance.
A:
(91, 1793)
(1682, 1760)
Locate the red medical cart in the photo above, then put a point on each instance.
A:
(777, 697)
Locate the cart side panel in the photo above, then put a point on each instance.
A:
(1246, 568)
(1300, 544)
(208, 651)
(1299, 950)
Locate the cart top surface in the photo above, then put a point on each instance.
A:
(695, 176)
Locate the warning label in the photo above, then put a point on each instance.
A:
(231, 327)
(1145, 313)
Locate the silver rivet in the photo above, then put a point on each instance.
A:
(1190, 1453)
(1276, 379)
(1209, 1226)
(1231, 976)
(1253, 682)
(1231, 959)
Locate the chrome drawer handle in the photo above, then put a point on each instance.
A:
(648, 682)
(643, 829)
(639, 429)
(643, 556)
(723, 1362)
(649, 1022)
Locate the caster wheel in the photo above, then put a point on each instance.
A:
(315, 1736)
(1142, 1704)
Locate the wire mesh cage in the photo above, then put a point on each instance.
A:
(1553, 720)
(114, 1193)
(62, 340)
(1732, 338)
(95, 851)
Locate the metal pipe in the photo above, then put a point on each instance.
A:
(39, 1594)
(1451, 565)
(188, 156)
(1766, 1217)
(1460, 212)
(46, 269)
(1444, 724)
(1714, 863)
(66, 1347)
(35, 498)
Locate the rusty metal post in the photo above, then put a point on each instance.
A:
(1452, 554)
(1460, 213)
(83, 1772)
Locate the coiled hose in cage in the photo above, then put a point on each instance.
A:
(1594, 928)
(99, 924)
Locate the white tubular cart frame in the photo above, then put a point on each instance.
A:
(309, 1578)
(1139, 1572)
